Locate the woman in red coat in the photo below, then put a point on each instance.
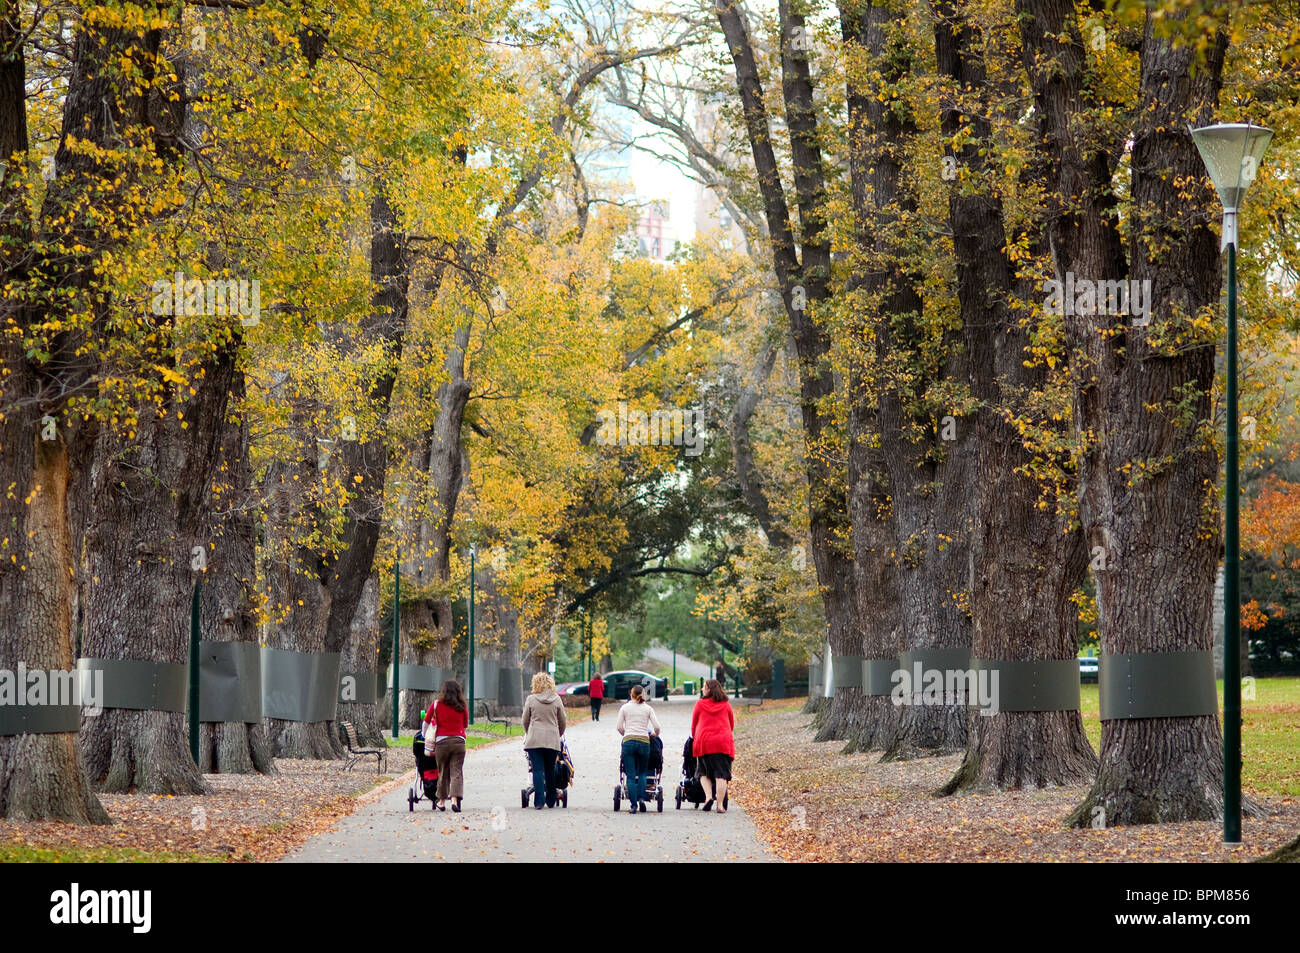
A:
(712, 724)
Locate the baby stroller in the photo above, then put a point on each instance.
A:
(690, 789)
(653, 777)
(563, 776)
(427, 783)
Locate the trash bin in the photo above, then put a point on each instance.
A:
(688, 688)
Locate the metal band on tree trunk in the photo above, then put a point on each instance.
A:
(1033, 685)
(359, 688)
(39, 719)
(300, 686)
(420, 678)
(847, 670)
(486, 677)
(141, 685)
(230, 682)
(1157, 685)
(509, 688)
(815, 677)
(878, 675)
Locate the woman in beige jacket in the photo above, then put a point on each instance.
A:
(544, 725)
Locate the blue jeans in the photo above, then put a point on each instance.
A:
(636, 756)
(542, 761)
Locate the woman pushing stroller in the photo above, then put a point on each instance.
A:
(445, 724)
(636, 719)
(713, 724)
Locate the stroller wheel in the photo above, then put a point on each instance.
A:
(618, 798)
(679, 800)
(564, 798)
(523, 798)
(659, 799)
(410, 799)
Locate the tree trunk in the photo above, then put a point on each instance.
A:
(804, 287)
(875, 721)
(361, 654)
(299, 606)
(41, 775)
(320, 599)
(923, 470)
(1021, 588)
(146, 546)
(422, 643)
(1148, 481)
(1288, 853)
(446, 466)
(228, 605)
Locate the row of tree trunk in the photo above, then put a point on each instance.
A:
(941, 503)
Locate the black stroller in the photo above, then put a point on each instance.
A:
(563, 776)
(426, 770)
(653, 777)
(690, 789)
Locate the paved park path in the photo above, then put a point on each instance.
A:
(493, 827)
(686, 667)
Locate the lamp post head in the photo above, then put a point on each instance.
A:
(1232, 153)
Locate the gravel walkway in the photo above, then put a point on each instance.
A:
(493, 826)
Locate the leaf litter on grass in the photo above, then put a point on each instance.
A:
(821, 805)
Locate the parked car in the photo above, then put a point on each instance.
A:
(1088, 668)
(570, 688)
(619, 685)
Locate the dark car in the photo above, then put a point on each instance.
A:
(619, 685)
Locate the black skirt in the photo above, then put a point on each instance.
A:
(716, 767)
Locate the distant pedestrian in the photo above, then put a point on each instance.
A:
(544, 725)
(636, 720)
(713, 725)
(597, 689)
(448, 721)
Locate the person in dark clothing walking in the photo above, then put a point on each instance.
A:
(597, 690)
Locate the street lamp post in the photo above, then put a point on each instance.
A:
(397, 616)
(473, 553)
(194, 671)
(397, 613)
(1232, 153)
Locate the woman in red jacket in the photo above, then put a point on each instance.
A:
(450, 717)
(712, 723)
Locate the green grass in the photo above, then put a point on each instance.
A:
(471, 741)
(21, 854)
(500, 730)
(1270, 733)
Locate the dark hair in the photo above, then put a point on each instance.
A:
(714, 691)
(451, 695)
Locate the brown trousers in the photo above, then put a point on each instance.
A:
(450, 755)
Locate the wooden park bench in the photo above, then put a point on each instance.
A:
(356, 752)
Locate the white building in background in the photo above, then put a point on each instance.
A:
(654, 232)
(713, 221)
